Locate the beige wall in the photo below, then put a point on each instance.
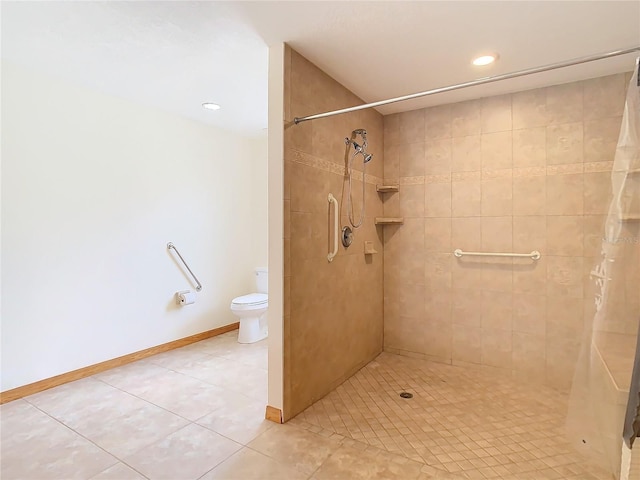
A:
(332, 311)
(521, 172)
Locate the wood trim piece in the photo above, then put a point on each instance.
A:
(84, 372)
(273, 414)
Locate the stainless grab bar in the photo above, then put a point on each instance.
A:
(336, 214)
(198, 285)
(535, 255)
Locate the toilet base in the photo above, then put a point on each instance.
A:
(252, 330)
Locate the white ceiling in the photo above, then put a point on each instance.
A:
(176, 55)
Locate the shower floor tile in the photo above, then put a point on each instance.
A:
(469, 423)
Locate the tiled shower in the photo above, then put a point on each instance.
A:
(512, 173)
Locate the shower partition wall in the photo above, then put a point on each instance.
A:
(332, 310)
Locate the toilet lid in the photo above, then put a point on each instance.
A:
(251, 299)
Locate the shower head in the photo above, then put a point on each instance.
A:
(367, 157)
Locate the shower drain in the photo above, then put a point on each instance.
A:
(406, 395)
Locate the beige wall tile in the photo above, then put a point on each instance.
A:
(564, 103)
(564, 235)
(530, 233)
(437, 235)
(564, 144)
(497, 234)
(497, 197)
(530, 147)
(529, 356)
(529, 276)
(391, 129)
(466, 154)
(564, 317)
(437, 122)
(467, 344)
(412, 300)
(593, 234)
(466, 233)
(597, 193)
(497, 150)
(497, 275)
(287, 219)
(604, 96)
(496, 348)
(466, 273)
(564, 276)
(391, 162)
(497, 311)
(495, 114)
(437, 156)
(437, 303)
(530, 313)
(529, 195)
(411, 159)
(437, 199)
(411, 200)
(437, 270)
(309, 188)
(529, 109)
(465, 305)
(438, 339)
(564, 194)
(465, 118)
(562, 356)
(601, 138)
(466, 199)
(411, 125)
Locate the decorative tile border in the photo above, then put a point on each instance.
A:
(598, 167)
(327, 166)
(442, 178)
(411, 180)
(466, 176)
(529, 172)
(497, 174)
(569, 169)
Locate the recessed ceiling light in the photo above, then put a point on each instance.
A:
(211, 106)
(485, 59)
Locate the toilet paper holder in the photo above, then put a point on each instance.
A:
(185, 297)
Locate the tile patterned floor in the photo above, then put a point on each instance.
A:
(463, 421)
(198, 413)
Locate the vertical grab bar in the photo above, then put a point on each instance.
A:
(336, 220)
(198, 285)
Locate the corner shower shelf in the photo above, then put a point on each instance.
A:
(387, 188)
(389, 220)
(627, 217)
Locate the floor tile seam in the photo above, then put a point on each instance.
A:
(118, 459)
(221, 462)
(159, 406)
(121, 459)
(280, 462)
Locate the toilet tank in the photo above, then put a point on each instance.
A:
(262, 280)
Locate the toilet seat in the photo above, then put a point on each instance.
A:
(252, 301)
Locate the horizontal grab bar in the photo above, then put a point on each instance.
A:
(535, 255)
(198, 285)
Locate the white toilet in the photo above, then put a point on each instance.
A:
(252, 310)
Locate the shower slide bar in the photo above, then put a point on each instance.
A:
(336, 219)
(172, 246)
(535, 255)
(473, 83)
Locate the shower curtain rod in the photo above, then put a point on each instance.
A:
(480, 81)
